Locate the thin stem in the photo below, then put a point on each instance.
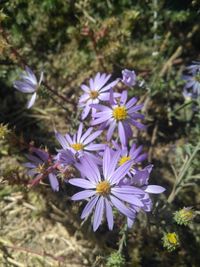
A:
(123, 239)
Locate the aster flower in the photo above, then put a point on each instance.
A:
(134, 153)
(129, 77)
(80, 144)
(95, 92)
(41, 166)
(29, 85)
(192, 86)
(120, 114)
(103, 190)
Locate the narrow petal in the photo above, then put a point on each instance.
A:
(80, 130)
(89, 207)
(54, 182)
(122, 133)
(82, 183)
(61, 139)
(98, 214)
(109, 214)
(83, 194)
(85, 112)
(113, 164)
(95, 147)
(131, 102)
(122, 208)
(154, 189)
(24, 87)
(31, 101)
(86, 134)
(129, 199)
(106, 161)
(127, 189)
(111, 130)
(92, 137)
(102, 119)
(123, 98)
(121, 172)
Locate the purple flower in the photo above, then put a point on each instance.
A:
(95, 92)
(121, 115)
(28, 85)
(192, 86)
(40, 166)
(129, 77)
(81, 143)
(102, 189)
(134, 153)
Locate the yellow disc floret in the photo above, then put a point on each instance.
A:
(77, 146)
(103, 188)
(120, 113)
(94, 94)
(123, 160)
(172, 238)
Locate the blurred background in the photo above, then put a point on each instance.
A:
(71, 41)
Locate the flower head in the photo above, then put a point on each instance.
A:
(184, 216)
(120, 114)
(41, 166)
(192, 85)
(29, 85)
(95, 92)
(79, 144)
(170, 241)
(129, 77)
(101, 187)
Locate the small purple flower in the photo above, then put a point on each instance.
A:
(121, 115)
(40, 166)
(103, 189)
(134, 153)
(95, 92)
(81, 143)
(192, 86)
(129, 77)
(29, 85)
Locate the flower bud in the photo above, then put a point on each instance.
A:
(170, 241)
(184, 216)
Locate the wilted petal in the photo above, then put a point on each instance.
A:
(53, 181)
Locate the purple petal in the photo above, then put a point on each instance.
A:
(92, 137)
(86, 134)
(129, 198)
(24, 87)
(80, 129)
(122, 134)
(61, 139)
(54, 182)
(82, 183)
(131, 102)
(83, 194)
(98, 214)
(31, 101)
(111, 130)
(106, 161)
(89, 207)
(121, 172)
(109, 214)
(85, 112)
(113, 164)
(123, 98)
(154, 189)
(122, 208)
(95, 147)
(127, 189)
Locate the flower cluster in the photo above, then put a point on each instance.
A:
(108, 166)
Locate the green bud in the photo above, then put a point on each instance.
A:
(3, 131)
(184, 216)
(116, 259)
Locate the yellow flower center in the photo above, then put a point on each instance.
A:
(94, 94)
(77, 146)
(172, 238)
(123, 160)
(103, 188)
(120, 113)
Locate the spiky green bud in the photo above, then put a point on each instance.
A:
(170, 241)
